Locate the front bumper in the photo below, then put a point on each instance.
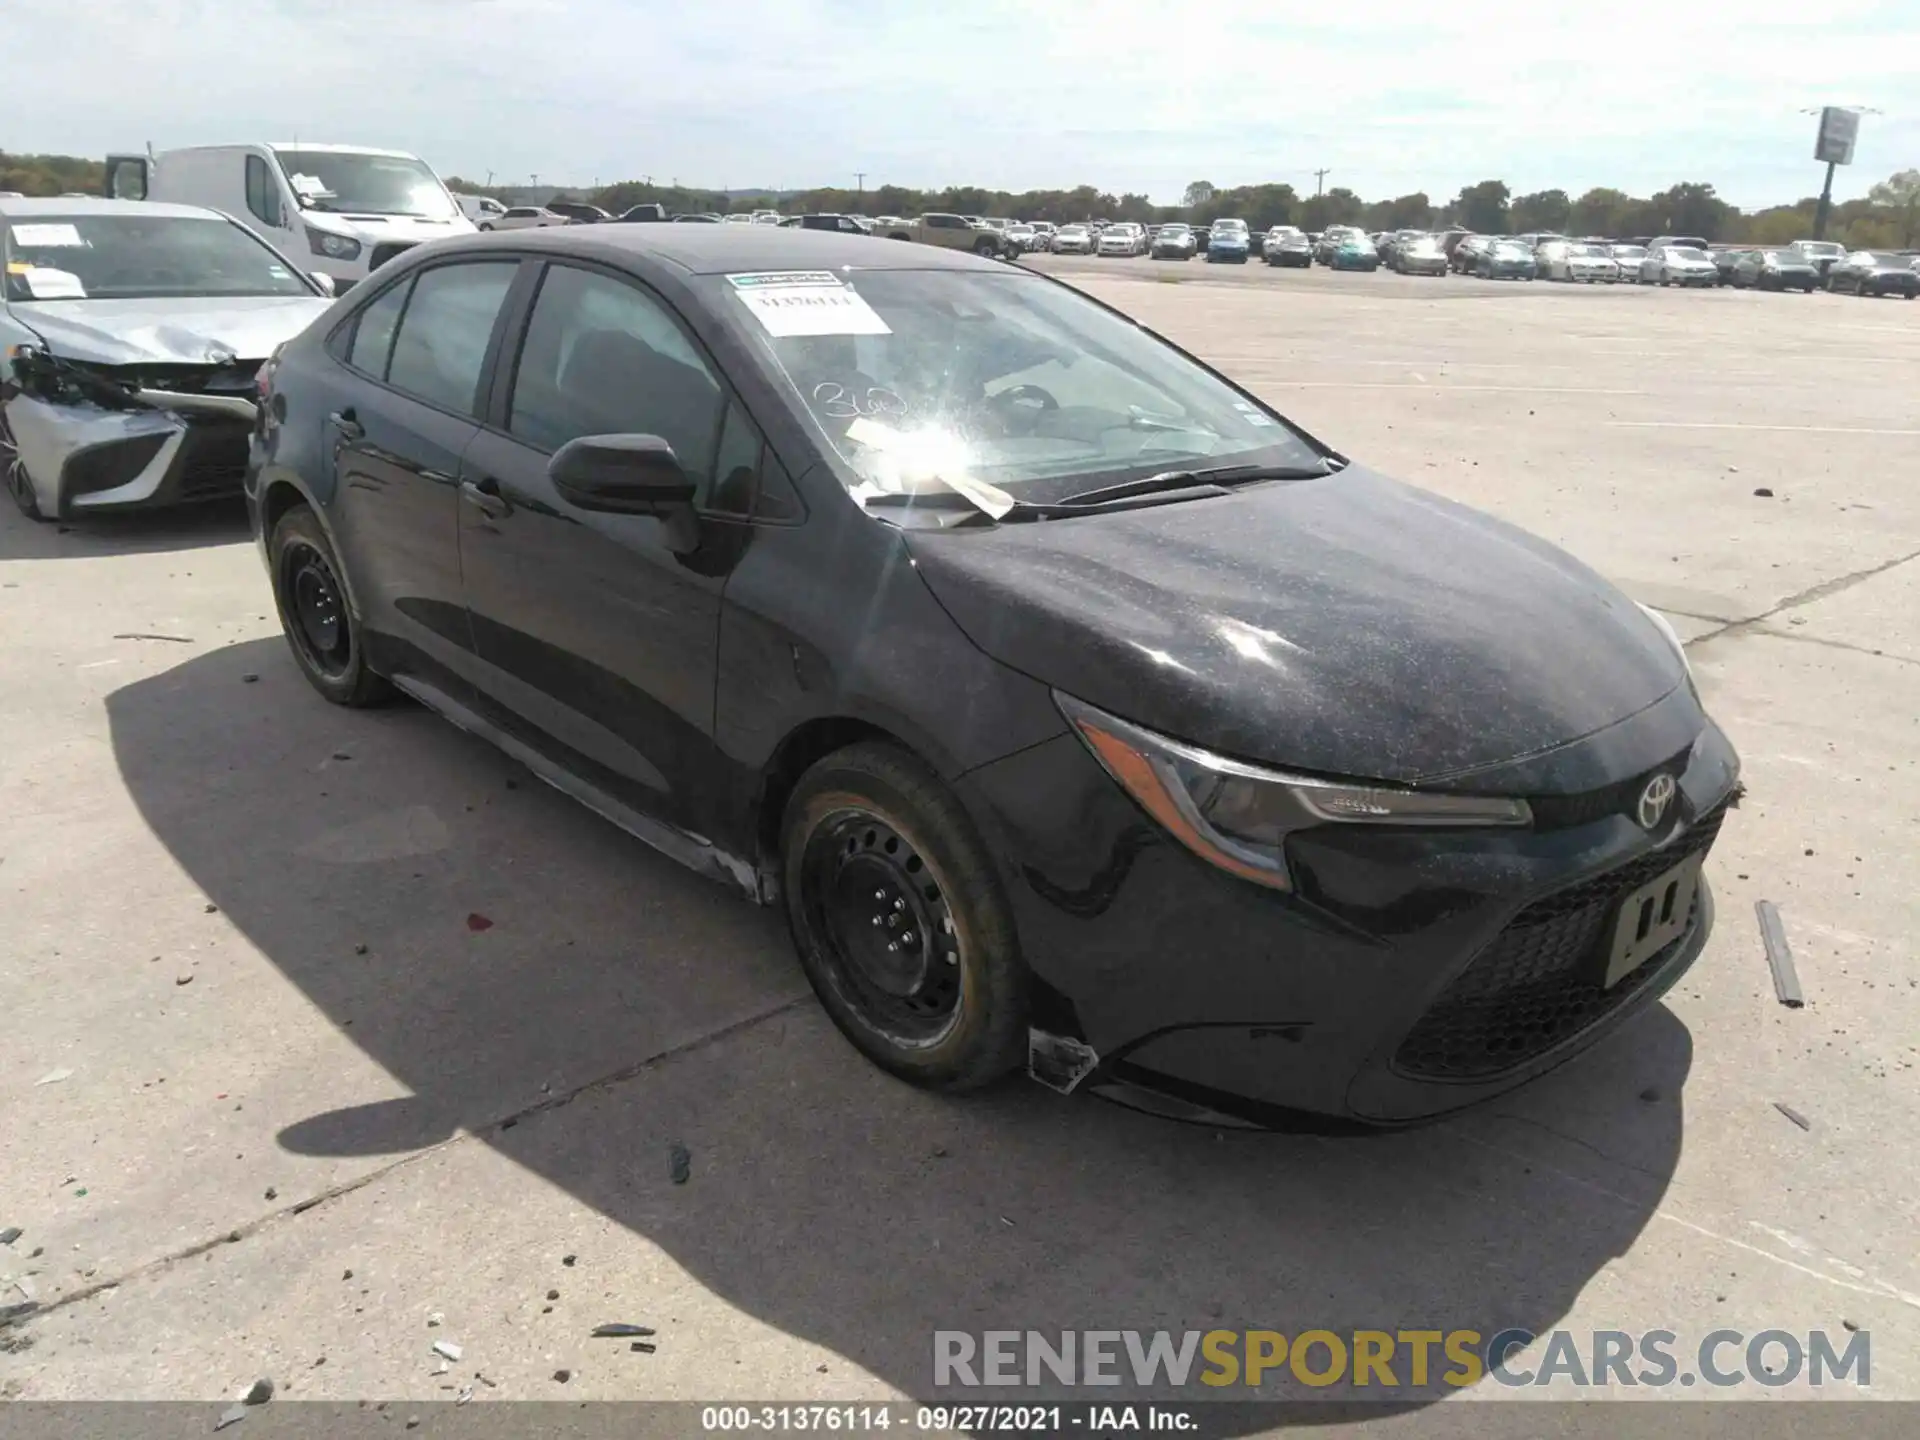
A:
(1227, 254)
(1424, 265)
(83, 458)
(1412, 972)
(1349, 262)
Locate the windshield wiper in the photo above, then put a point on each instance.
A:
(1210, 479)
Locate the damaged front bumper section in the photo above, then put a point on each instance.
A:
(90, 441)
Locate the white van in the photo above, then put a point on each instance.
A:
(480, 208)
(347, 207)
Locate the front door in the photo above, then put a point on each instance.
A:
(424, 346)
(597, 638)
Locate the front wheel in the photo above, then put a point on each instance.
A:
(900, 920)
(321, 628)
(19, 482)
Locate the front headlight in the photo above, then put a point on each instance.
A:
(1238, 816)
(337, 247)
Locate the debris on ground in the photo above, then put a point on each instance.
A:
(10, 1234)
(183, 979)
(54, 1077)
(1763, 492)
(643, 1347)
(477, 922)
(342, 755)
(620, 1331)
(1650, 1094)
(563, 1376)
(446, 1349)
(1773, 934)
(174, 639)
(250, 679)
(11, 1313)
(360, 949)
(272, 1194)
(553, 1294)
(568, 1260)
(259, 1392)
(210, 908)
(433, 1320)
(1849, 1325)
(466, 1394)
(413, 1422)
(1794, 1115)
(24, 1284)
(679, 1163)
(232, 1415)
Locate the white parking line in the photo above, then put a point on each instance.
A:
(1742, 425)
(1439, 385)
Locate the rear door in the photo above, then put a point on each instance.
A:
(421, 352)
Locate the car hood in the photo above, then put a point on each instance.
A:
(1349, 626)
(185, 330)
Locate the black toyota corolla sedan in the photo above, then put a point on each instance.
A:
(1083, 714)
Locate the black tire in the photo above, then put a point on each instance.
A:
(321, 628)
(13, 471)
(951, 1011)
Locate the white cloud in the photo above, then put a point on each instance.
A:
(1127, 95)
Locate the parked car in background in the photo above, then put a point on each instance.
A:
(1504, 259)
(1574, 260)
(841, 224)
(1042, 234)
(1124, 239)
(1354, 251)
(1821, 254)
(1073, 240)
(1465, 255)
(132, 334)
(1330, 239)
(1174, 242)
(479, 207)
(1201, 235)
(1671, 264)
(1419, 255)
(950, 232)
(1287, 245)
(1030, 802)
(1775, 269)
(579, 212)
(1724, 258)
(1229, 243)
(646, 213)
(524, 217)
(1874, 272)
(691, 218)
(1628, 258)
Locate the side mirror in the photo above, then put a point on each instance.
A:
(627, 475)
(324, 281)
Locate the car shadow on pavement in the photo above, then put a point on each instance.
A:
(508, 957)
(135, 532)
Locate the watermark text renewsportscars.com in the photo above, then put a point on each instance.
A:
(1386, 1360)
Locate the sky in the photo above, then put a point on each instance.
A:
(1389, 98)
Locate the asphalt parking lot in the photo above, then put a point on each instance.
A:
(331, 1035)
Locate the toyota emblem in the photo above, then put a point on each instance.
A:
(1654, 801)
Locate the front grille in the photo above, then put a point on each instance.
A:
(1539, 982)
(384, 252)
(213, 459)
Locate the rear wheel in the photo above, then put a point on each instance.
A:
(321, 628)
(900, 921)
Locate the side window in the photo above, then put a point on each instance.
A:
(373, 332)
(601, 357)
(736, 466)
(263, 194)
(442, 345)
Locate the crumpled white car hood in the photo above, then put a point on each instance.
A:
(188, 330)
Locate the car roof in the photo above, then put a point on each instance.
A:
(730, 249)
(35, 207)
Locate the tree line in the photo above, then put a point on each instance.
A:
(1887, 218)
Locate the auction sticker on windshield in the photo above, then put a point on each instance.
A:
(48, 235)
(806, 302)
(44, 284)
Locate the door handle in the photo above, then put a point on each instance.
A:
(485, 496)
(346, 424)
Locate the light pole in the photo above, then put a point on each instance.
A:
(1320, 182)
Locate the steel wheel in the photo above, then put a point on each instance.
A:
(311, 594)
(19, 483)
(889, 942)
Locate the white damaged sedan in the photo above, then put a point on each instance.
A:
(132, 335)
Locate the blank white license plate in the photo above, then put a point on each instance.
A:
(1650, 919)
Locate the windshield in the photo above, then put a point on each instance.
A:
(1887, 257)
(1509, 250)
(356, 182)
(129, 257)
(1686, 252)
(1003, 378)
(1173, 230)
(1629, 252)
(1820, 247)
(1236, 226)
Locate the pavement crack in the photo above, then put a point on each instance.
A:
(1826, 588)
(233, 1235)
(1586, 1145)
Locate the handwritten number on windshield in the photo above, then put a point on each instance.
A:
(837, 402)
